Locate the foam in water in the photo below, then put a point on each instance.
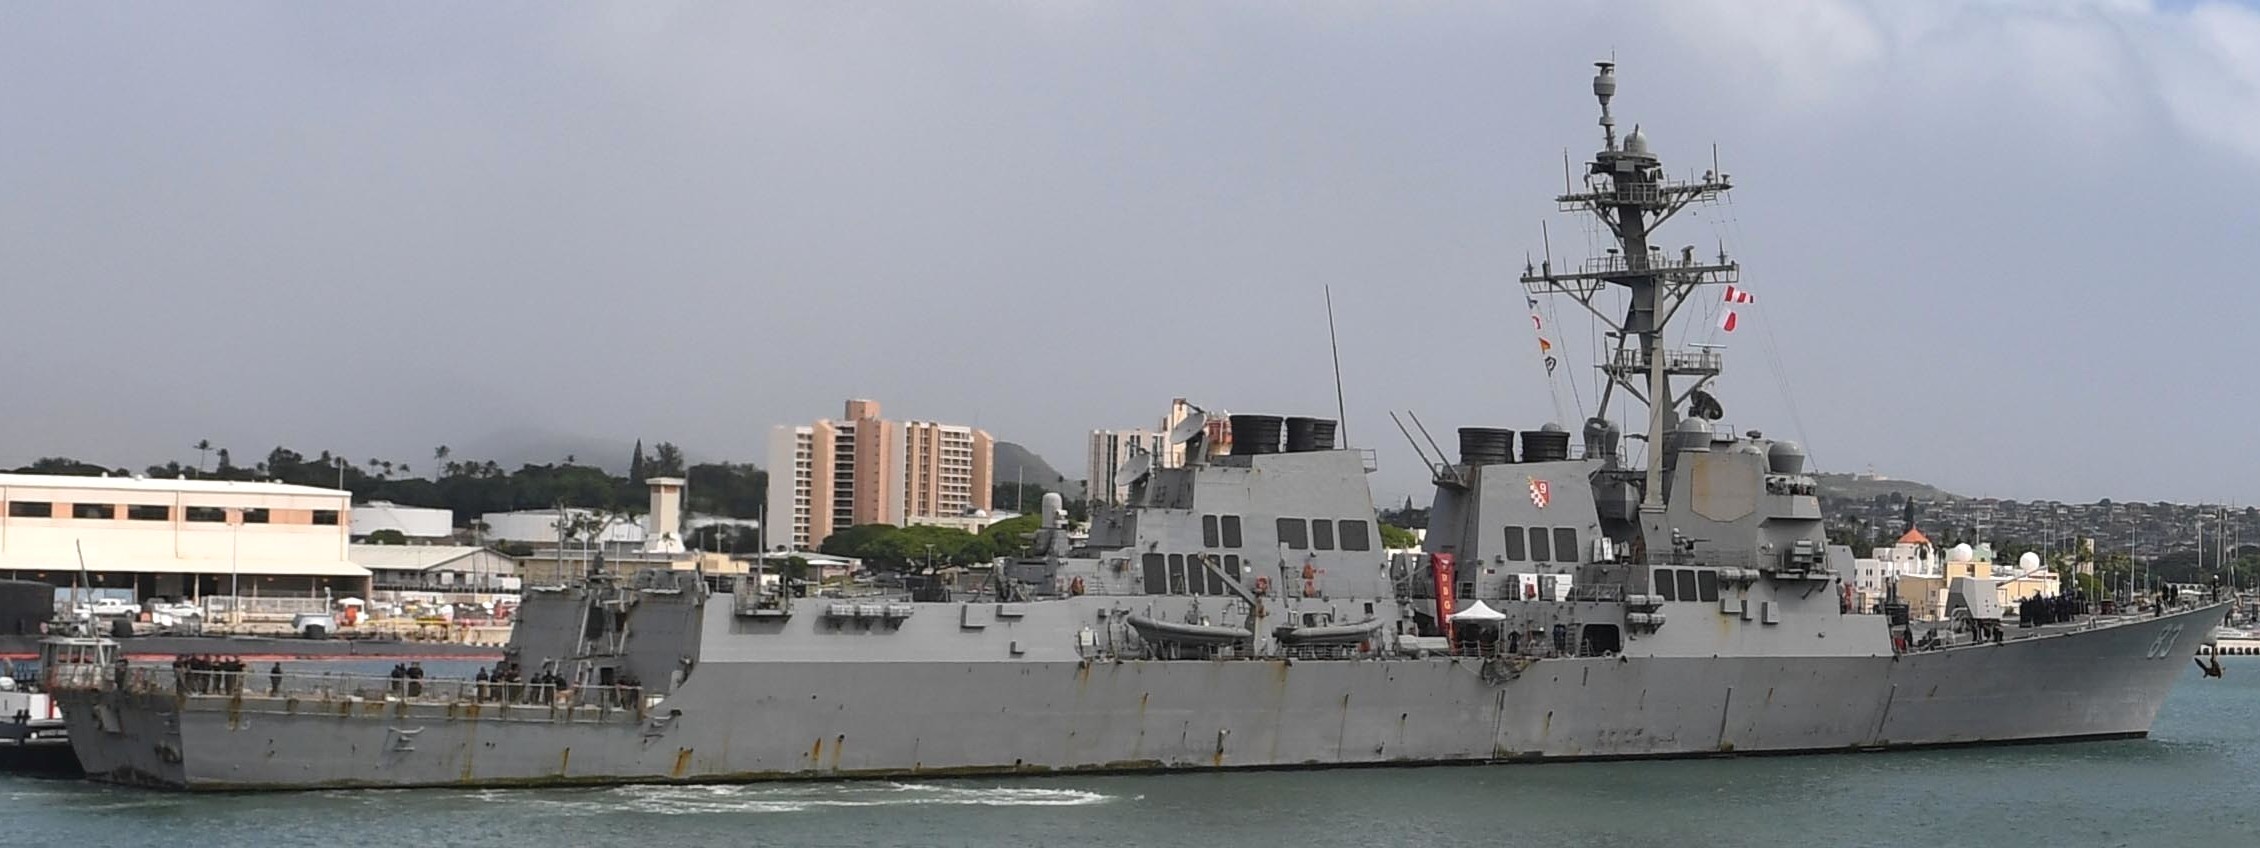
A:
(793, 798)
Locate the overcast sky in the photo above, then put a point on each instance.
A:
(2005, 247)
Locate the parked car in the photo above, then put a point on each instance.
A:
(175, 609)
(106, 607)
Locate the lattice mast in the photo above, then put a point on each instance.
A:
(1626, 189)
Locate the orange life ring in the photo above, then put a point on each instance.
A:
(1310, 572)
(1075, 587)
(1263, 585)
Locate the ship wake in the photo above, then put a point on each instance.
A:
(739, 799)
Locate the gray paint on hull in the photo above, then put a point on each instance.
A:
(802, 720)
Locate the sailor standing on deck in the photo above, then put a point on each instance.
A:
(274, 680)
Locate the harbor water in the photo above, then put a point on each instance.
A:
(2195, 781)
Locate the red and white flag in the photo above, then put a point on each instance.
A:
(1728, 320)
(1735, 295)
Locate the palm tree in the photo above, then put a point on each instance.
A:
(203, 447)
(439, 458)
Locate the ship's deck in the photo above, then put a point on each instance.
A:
(256, 691)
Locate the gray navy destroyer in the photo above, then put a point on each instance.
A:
(1238, 611)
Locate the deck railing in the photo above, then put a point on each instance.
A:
(254, 682)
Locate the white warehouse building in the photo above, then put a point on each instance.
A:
(414, 522)
(539, 526)
(177, 538)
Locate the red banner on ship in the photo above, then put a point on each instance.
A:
(1440, 565)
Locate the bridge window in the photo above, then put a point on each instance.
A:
(1157, 573)
(1291, 534)
(1215, 574)
(30, 509)
(1232, 567)
(1707, 584)
(255, 515)
(1687, 586)
(1661, 582)
(325, 516)
(1231, 531)
(1538, 546)
(93, 511)
(148, 512)
(207, 514)
(1565, 545)
(1353, 535)
(1177, 582)
(1514, 544)
(1322, 534)
(1208, 532)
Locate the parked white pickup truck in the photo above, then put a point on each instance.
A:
(106, 607)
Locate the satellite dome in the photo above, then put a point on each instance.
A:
(1694, 425)
(1637, 142)
(2029, 562)
(1961, 553)
(1551, 427)
(1786, 457)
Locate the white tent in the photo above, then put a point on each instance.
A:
(1479, 611)
(355, 602)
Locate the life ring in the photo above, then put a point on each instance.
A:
(1075, 587)
(1263, 585)
(1310, 572)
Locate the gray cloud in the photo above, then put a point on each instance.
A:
(1994, 241)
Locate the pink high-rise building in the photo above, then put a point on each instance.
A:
(865, 469)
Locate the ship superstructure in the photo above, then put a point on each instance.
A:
(1235, 612)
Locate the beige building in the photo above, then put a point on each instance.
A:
(178, 538)
(865, 469)
(1925, 593)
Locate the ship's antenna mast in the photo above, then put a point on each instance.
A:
(1341, 408)
(1626, 189)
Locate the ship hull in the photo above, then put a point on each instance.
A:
(748, 721)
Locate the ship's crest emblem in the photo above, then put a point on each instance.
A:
(1541, 493)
